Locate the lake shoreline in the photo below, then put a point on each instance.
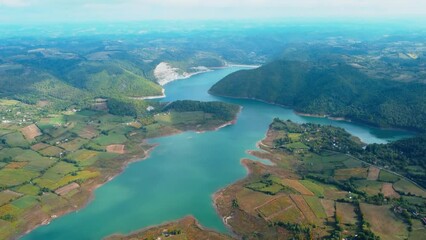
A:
(188, 225)
(163, 95)
(325, 116)
(87, 191)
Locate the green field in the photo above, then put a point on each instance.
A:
(13, 177)
(25, 202)
(74, 144)
(65, 179)
(181, 117)
(316, 206)
(5, 131)
(58, 171)
(89, 157)
(295, 137)
(408, 187)
(40, 164)
(28, 189)
(317, 189)
(325, 162)
(15, 140)
(84, 157)
(368, 186)
(272, 189)
(112, 138)
(51, 151)
(346, 173)
(296, 145)
(386, 176)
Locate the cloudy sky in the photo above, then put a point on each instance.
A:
(28, 11)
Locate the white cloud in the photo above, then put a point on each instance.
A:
(14, 3)
(112, 10)
(273, 8)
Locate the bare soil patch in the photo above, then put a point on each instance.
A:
(67, 188)
(388, 191)
(30, 132)
(115, 148)
(329, 207)
(373, 173)
(88, 132)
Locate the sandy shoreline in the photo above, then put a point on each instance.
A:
(163, 95)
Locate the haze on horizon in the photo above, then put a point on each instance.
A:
(54, 11)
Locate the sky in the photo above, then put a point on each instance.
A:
(35, 11)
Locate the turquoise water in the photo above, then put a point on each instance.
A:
(184, 171)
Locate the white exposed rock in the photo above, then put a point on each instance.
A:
(165, 73)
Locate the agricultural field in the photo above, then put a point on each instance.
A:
(316, 206)
(345, 212)
(319, 191)
(346, 173)
(386, 176)
(273, 208)
(296, 185)
(393, 228)
(370, 187)
(51, 160)
(406, 187)
(315, 188)
(373, 173)
(30, 132)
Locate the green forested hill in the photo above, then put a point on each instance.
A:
(111, 78)
(225, 111)
(337, 90)
(66, 84)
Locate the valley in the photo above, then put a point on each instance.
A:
(342, 108)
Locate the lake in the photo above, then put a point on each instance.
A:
(184, 171)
